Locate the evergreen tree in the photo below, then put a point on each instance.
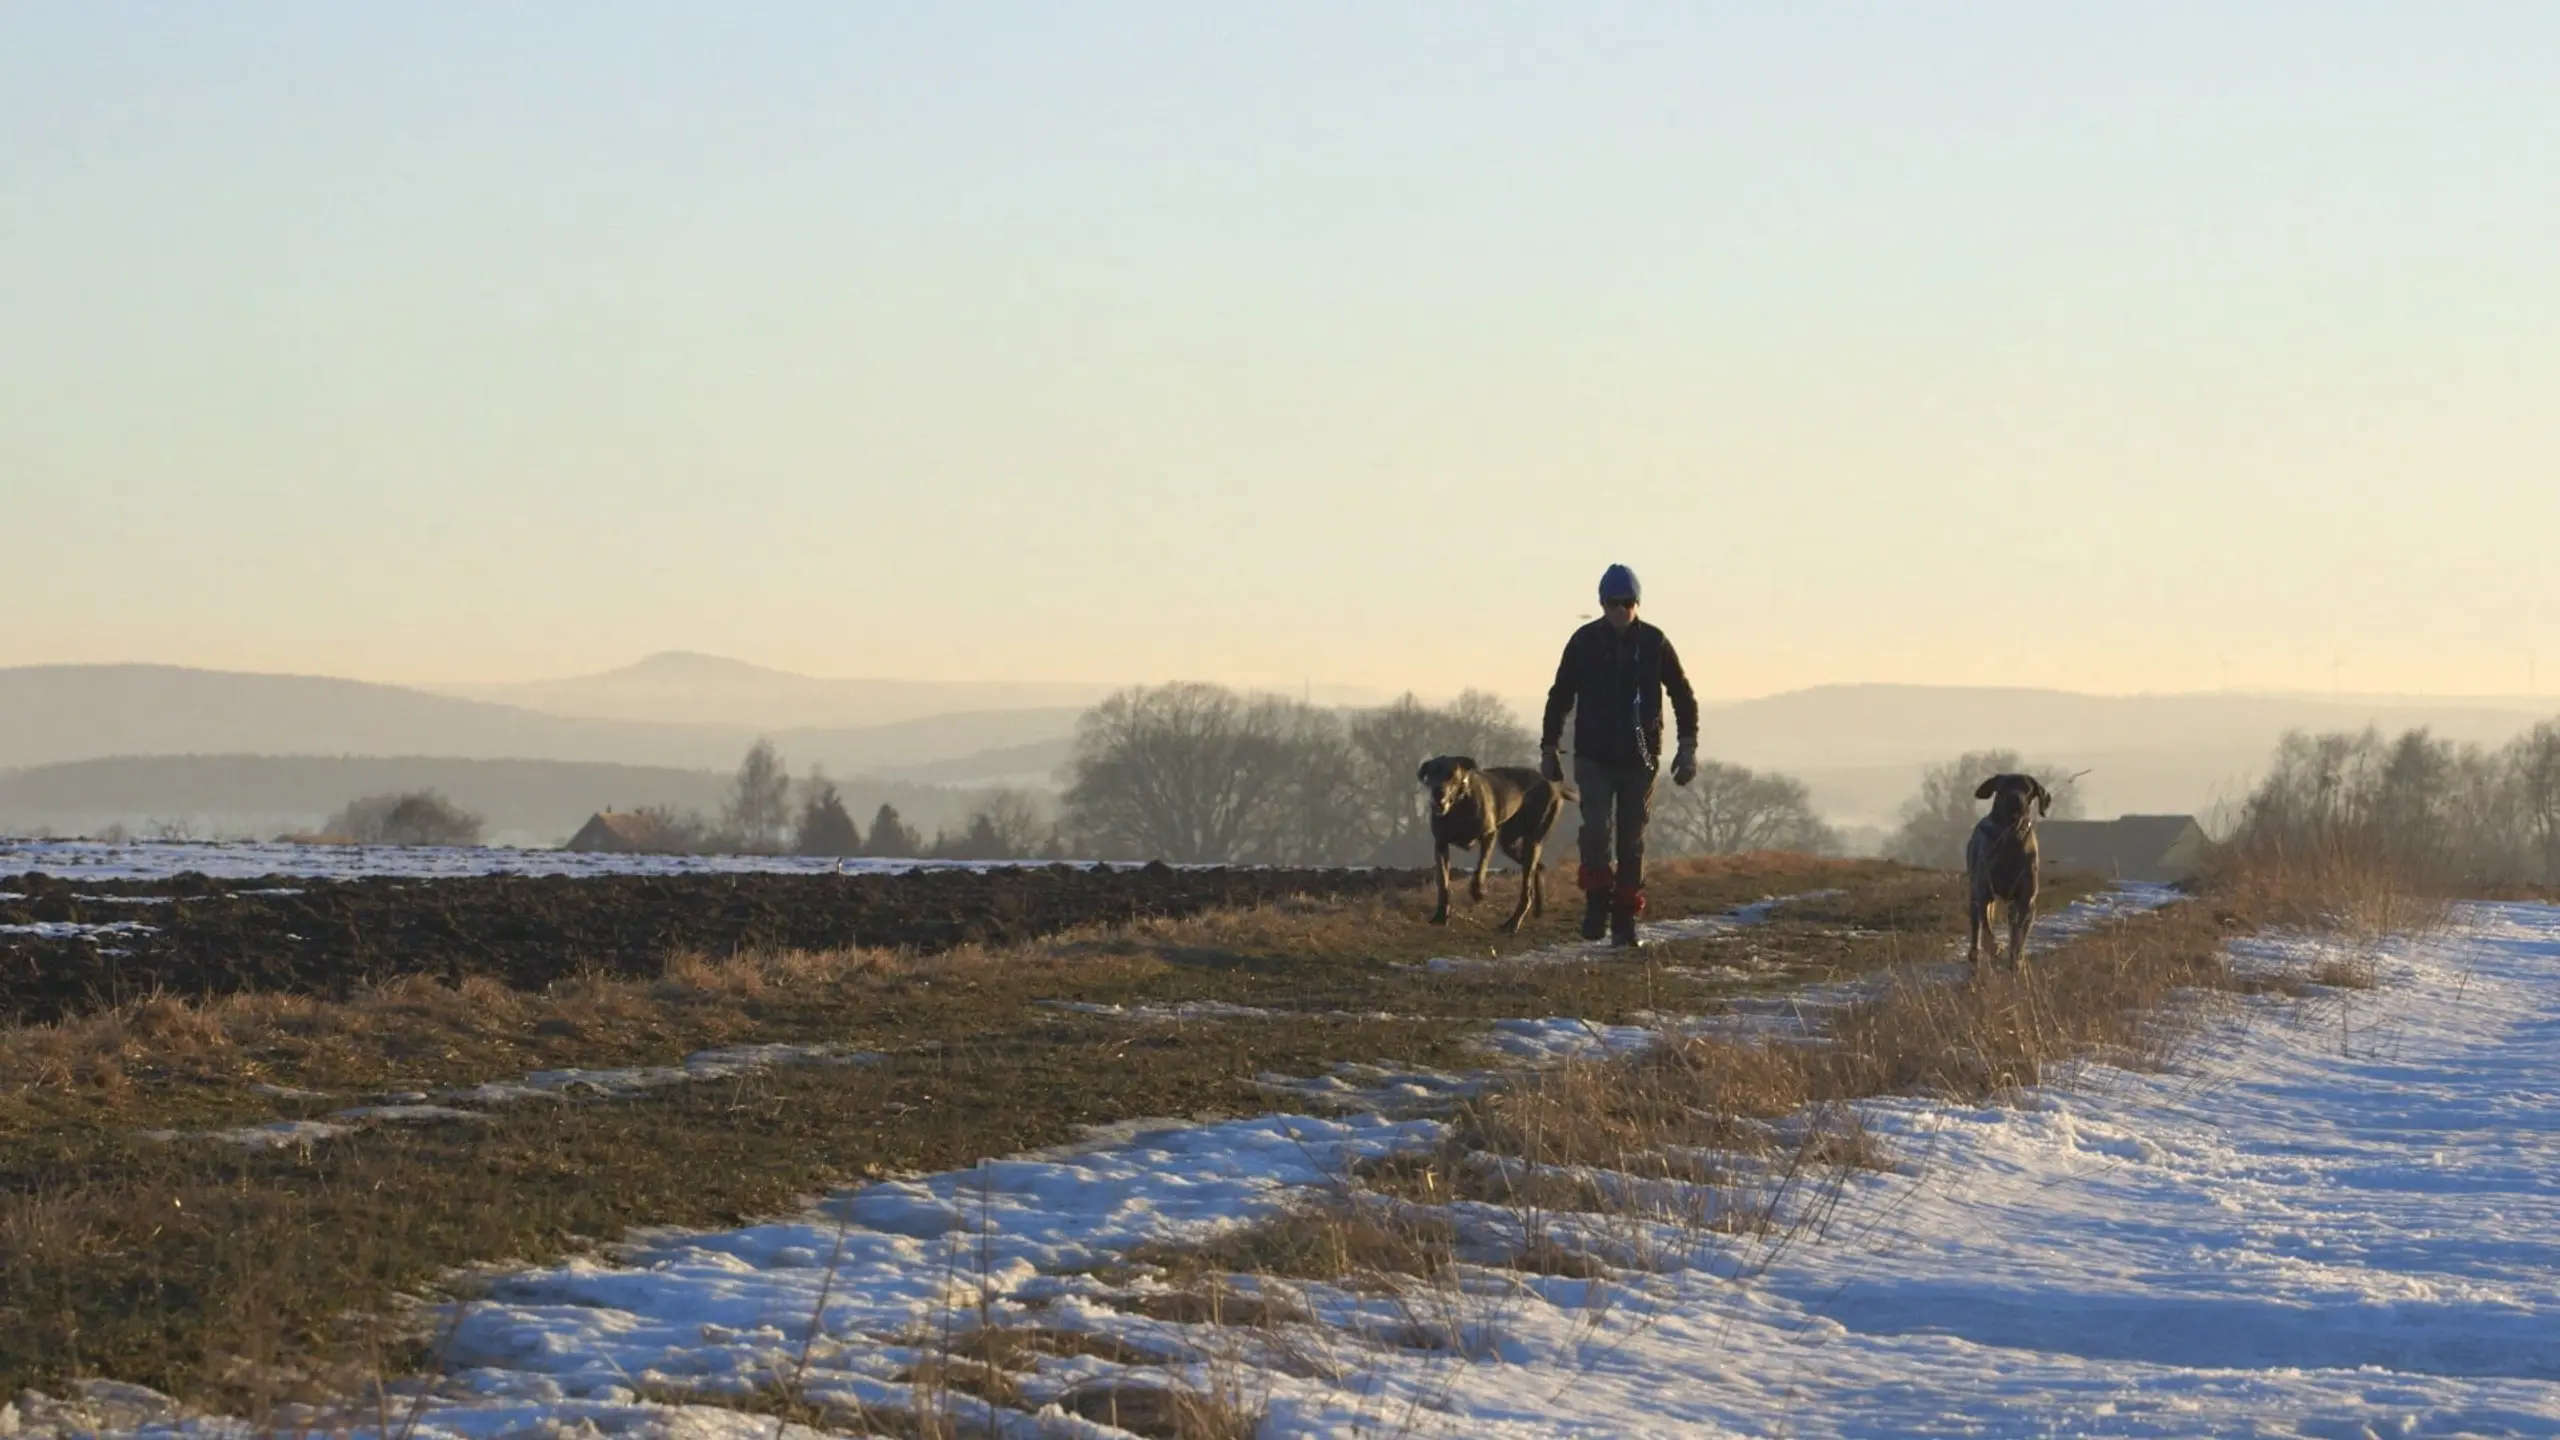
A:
(824, 828)
(890, 836)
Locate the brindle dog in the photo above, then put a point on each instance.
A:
(2000, 861)
(1506, 805)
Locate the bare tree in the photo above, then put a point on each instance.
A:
(2316, 785)
(1196, 773)
(1936, 821)
(2536, 768)
(1006, 825)
(2412, 802)
(824, 828)
(1317, 812)
(1017, 822)
(1387, 744)
(1729, 810)
(2443, 814)
(758, 811)
(676, 832)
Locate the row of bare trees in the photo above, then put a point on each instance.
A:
(1200, 774)
(2440, 812)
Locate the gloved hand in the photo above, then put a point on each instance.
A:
(1684, 766)
(1550, 765)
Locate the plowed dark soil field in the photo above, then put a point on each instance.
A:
(193, 936)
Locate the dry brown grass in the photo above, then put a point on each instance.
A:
(1211, 1300)
(198, 1271)
(1163, 1411)
(1016, 1347)
(2108, 994)
(2345, 972)
(418, 1029)
(1455, 1173)
(1338, 1237)
(946, 1375)
(2342, 885)
(786, 1403)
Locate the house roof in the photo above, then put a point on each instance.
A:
(2102, 844)
(630, 827)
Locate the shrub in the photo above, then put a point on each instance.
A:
(417, 817)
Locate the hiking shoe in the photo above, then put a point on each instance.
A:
(1622, 930)
(1595, 915)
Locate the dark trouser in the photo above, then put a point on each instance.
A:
(1616, 799)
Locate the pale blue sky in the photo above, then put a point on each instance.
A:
(2144, 346)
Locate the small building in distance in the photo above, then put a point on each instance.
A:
(623, 832)
(2159, 848)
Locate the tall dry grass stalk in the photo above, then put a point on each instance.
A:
(2342, 881)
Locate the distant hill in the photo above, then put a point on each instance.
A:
(1860, 747)
(530, 802)
(1036, 765)
(681, 687)
(55, 713)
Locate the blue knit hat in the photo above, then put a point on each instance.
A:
(1619, 583)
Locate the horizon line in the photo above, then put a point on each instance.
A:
(450, 688)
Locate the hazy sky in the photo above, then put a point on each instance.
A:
(2136, 346)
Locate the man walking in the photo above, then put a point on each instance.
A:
(1612, 679)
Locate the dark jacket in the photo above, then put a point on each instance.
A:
(1613, 684)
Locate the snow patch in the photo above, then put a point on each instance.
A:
(1185, 1010)
(721, 1064)
(421, 1106)
(75, 929)
(272, 1135)
(1657, 932)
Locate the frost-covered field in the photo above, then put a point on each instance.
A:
(249, 860)
(2342, 1218)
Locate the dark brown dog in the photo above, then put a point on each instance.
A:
(2000, 860)
(1506, 805)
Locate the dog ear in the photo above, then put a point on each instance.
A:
(1987, 786)
(2044, 799)
(1424, 774)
